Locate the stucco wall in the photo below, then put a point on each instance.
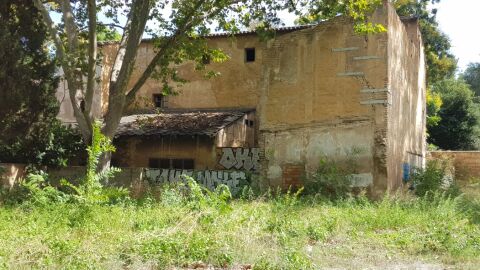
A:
(65, 113)
(407, 86)
(318, 98)
(236, 87)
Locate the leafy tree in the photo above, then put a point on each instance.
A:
(107, 34)
(29, 132)
(458, 127)
(441, 63)
(434, 104)
(472, 77)
(316, 11)
(178, 36)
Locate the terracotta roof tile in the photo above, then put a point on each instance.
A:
(185, 122)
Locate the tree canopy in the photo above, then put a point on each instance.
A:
(472, 76)
(459, 117)
(29, 131)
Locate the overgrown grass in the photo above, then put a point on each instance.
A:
(271, 232)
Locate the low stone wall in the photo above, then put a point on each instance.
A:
(466, 163)
(131, 178)
(137, 180)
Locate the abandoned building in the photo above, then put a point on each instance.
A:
(281, 105)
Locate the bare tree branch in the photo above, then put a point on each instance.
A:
(67, 69)
(181, 30)
(92, 58)
(70, 27)
(124, 63)
(112, 25)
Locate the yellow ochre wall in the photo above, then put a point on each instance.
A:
(320, 91)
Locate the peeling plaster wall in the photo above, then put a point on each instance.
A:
(319, 96)
(317, 91)
(236, 87)
(407, 113)
(65, 113)
(306, 146)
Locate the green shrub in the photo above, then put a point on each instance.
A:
(434, 179)
(35, 190)
(200, 197)
(471, 208)
(330, 180)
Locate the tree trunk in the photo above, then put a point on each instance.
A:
(104, 162)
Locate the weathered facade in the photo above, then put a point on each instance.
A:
(309, 92)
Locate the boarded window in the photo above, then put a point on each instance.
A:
(250, 55)
(159, 163)
(172, 163)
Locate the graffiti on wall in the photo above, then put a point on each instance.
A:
(209, 179)
(247, 159)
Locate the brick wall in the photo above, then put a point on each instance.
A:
(292, 175)
(466, 163)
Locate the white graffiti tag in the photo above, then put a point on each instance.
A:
(209, 179)
(240, 158)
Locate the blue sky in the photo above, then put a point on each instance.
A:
(460, 20)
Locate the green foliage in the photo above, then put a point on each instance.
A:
(92, 188)
(471, 208)
(458, 127)
(310, 234)
(100, 145)
(107, 34)
(472, 76)
(331, 179)
(51, 146)
(29, 131)
(34, 190)
(441, 63)
(195, 196)
(434, 103)
(358, 10)
(432, 179)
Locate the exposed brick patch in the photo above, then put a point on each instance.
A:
(466, 163)
(292, 175)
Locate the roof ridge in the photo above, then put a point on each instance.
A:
(239, 33)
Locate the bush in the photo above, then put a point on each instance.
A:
(329, 180)
(434, 179)
(34, 190)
